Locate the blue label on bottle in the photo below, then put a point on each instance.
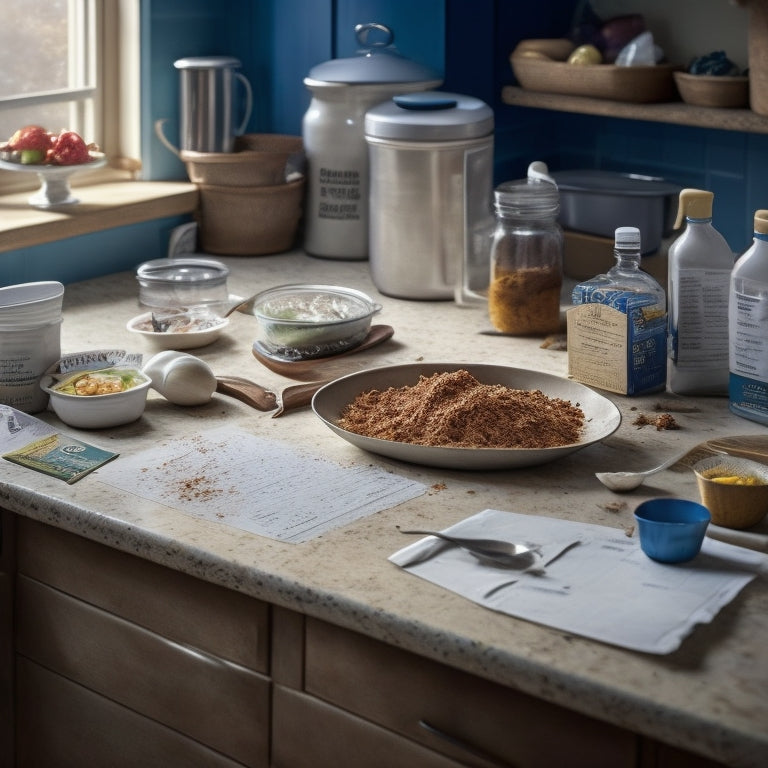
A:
(748, 398)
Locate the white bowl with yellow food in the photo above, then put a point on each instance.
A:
(734, 490)
(96, 399)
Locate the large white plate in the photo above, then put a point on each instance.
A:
(601, 416)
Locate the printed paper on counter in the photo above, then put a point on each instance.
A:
(606, 588)
(258, 485)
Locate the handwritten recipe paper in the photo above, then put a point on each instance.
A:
(258, 485)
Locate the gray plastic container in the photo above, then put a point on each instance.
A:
(599, 202)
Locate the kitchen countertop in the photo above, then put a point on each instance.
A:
(708, 697)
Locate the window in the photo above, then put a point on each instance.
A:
(71, 64)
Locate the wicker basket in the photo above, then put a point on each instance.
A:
(249, 221)
(600, 81)
(713, 90)
(258, 159)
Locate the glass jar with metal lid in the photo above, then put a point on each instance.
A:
(526, 256)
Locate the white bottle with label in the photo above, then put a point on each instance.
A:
(700, 264)
(748, 328)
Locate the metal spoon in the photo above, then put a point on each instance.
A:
(505, 553)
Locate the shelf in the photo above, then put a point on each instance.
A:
(675, 112)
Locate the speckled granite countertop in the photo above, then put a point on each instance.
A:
(708, 697)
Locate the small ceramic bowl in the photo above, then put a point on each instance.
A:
(671, 530)
(300, 322)
(725, 492)
(189, 332)
(719, 91)
(97, 411)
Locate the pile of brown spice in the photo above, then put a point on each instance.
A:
(454, 409)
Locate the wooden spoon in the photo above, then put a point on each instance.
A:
(296, 368)
(263, 399)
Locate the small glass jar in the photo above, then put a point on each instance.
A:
(526, 259)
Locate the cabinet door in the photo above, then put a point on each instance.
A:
(65, 725)
(465, 717)
(307, 733)
(202, 696)
(191, 611)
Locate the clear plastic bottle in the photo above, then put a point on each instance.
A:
(748, 328)
(617, 328)
(526, 256)
(700, 264)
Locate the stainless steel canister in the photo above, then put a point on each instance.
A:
(431, 165)
(208, 104)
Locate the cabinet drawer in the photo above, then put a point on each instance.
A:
(307, 733)
(180, 607)
(405, 693)
(66, 725)
(216, 702)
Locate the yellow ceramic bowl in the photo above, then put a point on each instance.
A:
(734, 490)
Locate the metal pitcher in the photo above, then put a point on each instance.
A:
(207, 104)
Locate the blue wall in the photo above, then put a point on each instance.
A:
(278, 41)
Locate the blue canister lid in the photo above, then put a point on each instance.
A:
(430, 116)
(378, 61)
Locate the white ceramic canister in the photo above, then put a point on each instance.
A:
(336, 209)
(30, 341)
(431, 159)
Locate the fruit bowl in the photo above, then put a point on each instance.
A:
(54, 189)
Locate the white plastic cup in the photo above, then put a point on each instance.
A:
(30, 341)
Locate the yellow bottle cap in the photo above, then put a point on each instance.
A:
(694, 204)
(761, 222)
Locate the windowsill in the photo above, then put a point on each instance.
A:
(115, 202)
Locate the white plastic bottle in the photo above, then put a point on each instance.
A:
(700, 264)
(748, 328)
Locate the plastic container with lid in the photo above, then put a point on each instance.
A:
(617, 329)
(748, 328)
(431, 164)
(699, 273)
(183, 282)
(336, 209)
(526, 256)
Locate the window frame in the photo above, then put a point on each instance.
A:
(113, 77)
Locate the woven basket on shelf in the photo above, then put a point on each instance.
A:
(600, 81)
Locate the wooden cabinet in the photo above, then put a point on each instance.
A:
(368, 693)
(123, 662)
(108, 659)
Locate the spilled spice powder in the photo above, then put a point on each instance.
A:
(455, 410)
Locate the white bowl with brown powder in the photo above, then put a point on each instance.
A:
(465, 416)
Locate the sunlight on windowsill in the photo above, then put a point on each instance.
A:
(114, 201)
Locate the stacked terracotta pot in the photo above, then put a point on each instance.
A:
(251, 198)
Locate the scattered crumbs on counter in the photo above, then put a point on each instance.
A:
(629, 531)
(437, 487)
(614, 506)
(661, 422)
(676, 407)
(471, 492)
(556, 341)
